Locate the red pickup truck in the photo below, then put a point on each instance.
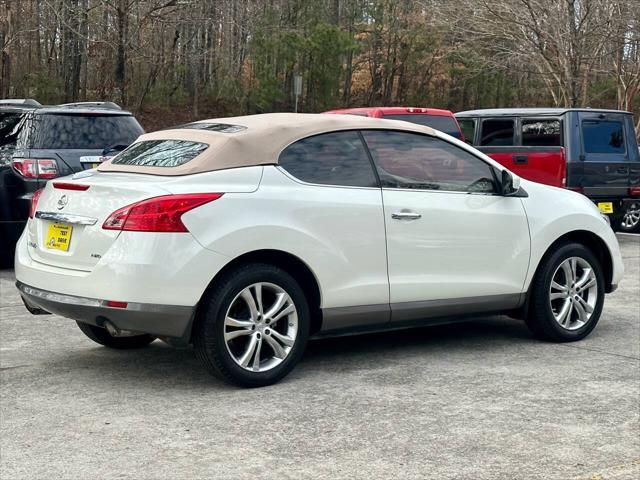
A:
(442, 120)
(591, 151)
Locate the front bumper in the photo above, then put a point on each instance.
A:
(158, 320)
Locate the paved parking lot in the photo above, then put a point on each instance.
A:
(479, 400)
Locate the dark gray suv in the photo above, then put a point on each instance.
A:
(38, 143)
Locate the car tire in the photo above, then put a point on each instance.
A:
(630, 220)
(103, 337)
(239, 320)
(569, 308)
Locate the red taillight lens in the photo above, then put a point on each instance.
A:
(116, 304)
(35, 168)
(34, 202)
(159, 214)
(70, 186)
(634, 191)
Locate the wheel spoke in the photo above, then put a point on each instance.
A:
(586, 276)
(557, 286)
(582, 314)
(275, 346)
(567, 319)
(236, 333)
(233, 322)
(257, 288)
(589, 284)
(281, 299)
(288, 341)
(564, 311)
(568, 274)
(251, 303)
(555, 296)
(286, 311)
(585, 305)
(256, 358)
(250, 350)
(574, 267)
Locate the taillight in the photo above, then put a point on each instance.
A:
(70, 186)
(35, 167)
(158, 214)
(34, 202)
(634, 191)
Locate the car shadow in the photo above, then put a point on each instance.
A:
(160, 366)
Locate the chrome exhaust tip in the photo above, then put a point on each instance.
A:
(117, 332)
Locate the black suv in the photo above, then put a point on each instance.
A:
(38, 143)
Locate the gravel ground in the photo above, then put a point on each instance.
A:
(479, 400)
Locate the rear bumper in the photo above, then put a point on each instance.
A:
(159, 320)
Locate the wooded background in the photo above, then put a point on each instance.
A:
(178, 60)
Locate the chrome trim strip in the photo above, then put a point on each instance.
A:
(66, 218)
(57, 297)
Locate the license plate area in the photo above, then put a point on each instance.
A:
(605, 207)
(58, 237)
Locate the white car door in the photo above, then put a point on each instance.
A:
(453, 243)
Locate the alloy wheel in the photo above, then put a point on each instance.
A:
(631, 217)
(573, 293)
(260, 327)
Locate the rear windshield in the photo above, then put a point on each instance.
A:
(160, 153)
(439, 122)
(87, 132)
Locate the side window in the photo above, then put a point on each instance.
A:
(410, 160)
(497, 133)
(541, 133)
(468, 127)
(337, 158)
(603, 136)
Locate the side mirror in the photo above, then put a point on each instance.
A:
(509, 183)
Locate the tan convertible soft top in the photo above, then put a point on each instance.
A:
(258, 143)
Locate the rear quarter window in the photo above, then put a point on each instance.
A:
(497, 133)
(337, 158)
(541, 133)
(11, 126)
(160, 153)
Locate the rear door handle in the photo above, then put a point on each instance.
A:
(520, 159)
(405, 215)
(623, 170)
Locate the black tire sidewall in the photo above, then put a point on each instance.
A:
(209, 334)
(545, 322)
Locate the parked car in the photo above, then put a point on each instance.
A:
(590, 151)
(442, 120)
(248, 235)
(38, 143)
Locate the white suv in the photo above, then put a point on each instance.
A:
(246, 236)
